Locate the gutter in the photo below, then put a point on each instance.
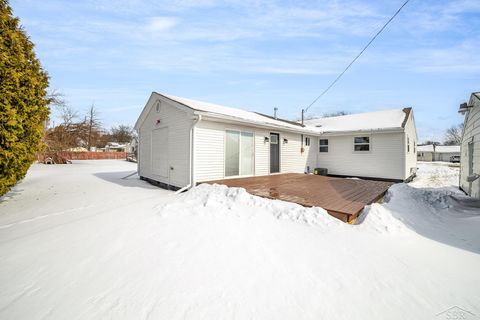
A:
(191, 162)
(366, 131)
(253, 123)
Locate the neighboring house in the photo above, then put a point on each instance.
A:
(115, 147)
(432, 152)
(183, 142)
(470, 147)
(77, 149)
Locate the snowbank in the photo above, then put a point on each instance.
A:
(219, 200)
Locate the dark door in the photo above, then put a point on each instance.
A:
(274, 152)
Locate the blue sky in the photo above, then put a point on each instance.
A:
(258, 55)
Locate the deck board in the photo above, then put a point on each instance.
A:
(343, 198)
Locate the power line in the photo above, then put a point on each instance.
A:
(355, 59)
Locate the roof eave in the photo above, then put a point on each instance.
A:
(255, 123)
(363, 131)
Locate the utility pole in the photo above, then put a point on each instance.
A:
(303, 114)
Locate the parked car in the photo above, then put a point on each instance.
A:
(455, 159)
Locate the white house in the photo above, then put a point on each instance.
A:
(470, 147)
(183, 142)
(432, 152)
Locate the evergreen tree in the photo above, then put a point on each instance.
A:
(23, 100)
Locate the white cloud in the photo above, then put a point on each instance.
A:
(159, 24)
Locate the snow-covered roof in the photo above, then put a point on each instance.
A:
(368, 121)
(371, 121)
(238, 114)
(439, 149)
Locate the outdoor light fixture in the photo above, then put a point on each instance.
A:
(473, 177)
(158, 122)
(266, 139)
(464, 108)
(285, 140)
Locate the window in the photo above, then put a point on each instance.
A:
(361, 143)
(239, 153)
(323, 145)
(273, 139)
(414, 146)
(408, 144)
(307, 141)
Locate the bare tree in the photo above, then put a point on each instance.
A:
(122, 133)
(93, 125)
(55, 98)
(335, 114)
(453, 136)
(431, 142)
(325, 115)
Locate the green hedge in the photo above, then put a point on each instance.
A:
(23, 100)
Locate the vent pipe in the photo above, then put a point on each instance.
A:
(275, 112)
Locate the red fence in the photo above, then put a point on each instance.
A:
(70, 155)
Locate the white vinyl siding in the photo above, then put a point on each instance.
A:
(384, 160)
(291, 157)
(176, 152)
(409, 157)
(210, 150)
(471, 134)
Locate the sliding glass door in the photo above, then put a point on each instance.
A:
(239, 153)
(246, 153)
(232, 153)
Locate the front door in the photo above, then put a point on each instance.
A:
(274, 152)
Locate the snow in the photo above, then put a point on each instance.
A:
(79, 242)
(437, 175)
(439, 149)
(239, 114)
(378, 120)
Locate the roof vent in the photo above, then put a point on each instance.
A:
(275, 112)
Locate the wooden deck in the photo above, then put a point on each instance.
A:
(343, 198)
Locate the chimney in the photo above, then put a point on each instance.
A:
(275, 112)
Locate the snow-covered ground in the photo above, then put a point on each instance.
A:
(79, 242)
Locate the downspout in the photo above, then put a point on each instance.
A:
(191, 148)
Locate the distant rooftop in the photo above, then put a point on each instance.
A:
(439, 149)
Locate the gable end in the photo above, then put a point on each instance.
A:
(407, 115)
